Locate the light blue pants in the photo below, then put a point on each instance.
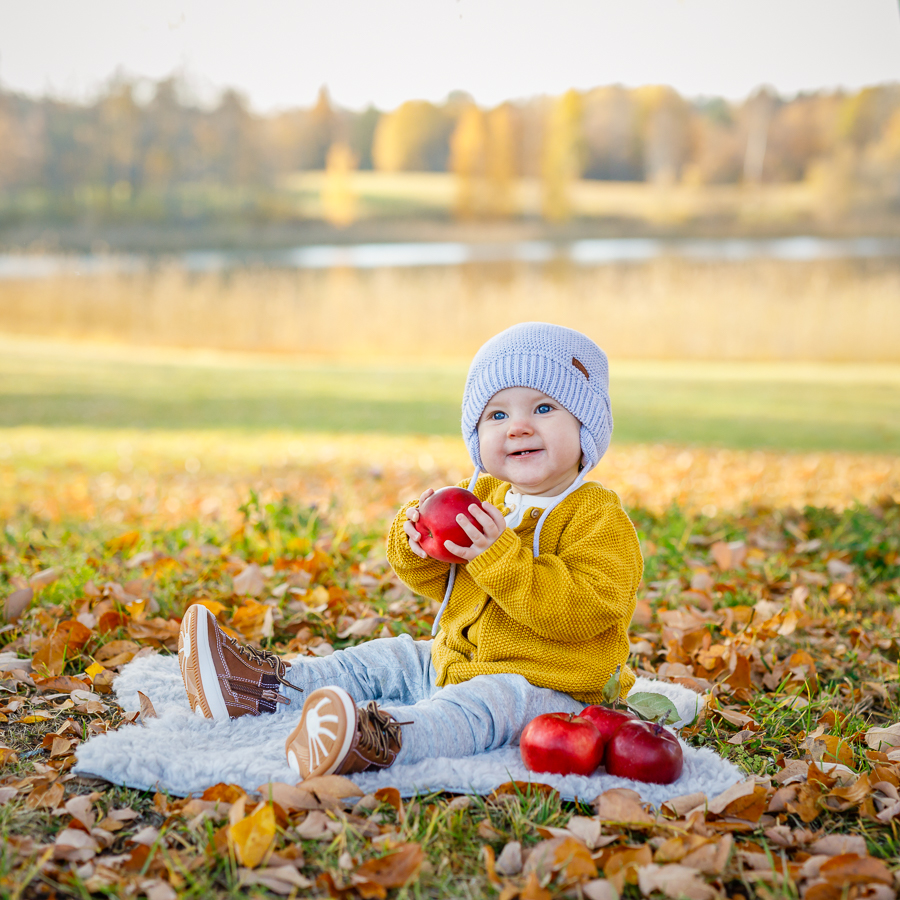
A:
(484, 713)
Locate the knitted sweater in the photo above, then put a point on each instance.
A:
(559, 619)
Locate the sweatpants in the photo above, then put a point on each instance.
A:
(484, 713)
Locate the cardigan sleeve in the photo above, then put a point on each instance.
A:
(580, 591)
(428, 576)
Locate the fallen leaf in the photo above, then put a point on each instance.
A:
(394, 869)
(16, 603)
(75, 845)
(510, 860)
(250, 581)
(883, 738)
(675, 881)
(284, 880)
(147, 710)
(254, 835)
(622, 805)
(44, 578)
(848, 868)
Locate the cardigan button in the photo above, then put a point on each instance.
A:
(535, 514)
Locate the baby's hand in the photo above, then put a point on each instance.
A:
(492, 526)
(409, 526)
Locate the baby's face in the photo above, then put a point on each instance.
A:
(530, 440)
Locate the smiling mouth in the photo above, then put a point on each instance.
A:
(522, 453)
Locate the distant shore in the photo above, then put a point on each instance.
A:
(174, 237)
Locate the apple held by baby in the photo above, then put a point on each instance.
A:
(437, 522)
(616, 738)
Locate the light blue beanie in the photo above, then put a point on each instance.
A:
(562, 363)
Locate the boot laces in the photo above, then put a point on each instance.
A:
(378, 730)
(264, 658)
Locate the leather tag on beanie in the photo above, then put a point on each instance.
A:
(580, 366)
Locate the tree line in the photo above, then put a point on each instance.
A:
(136, 138)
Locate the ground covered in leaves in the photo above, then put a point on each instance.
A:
(785, 618)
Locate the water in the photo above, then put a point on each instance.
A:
(596, 252)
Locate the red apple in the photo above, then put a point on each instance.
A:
(437, 522)
(607, 720)
(562, 743)
(644, 752)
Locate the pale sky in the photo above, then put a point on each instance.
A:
(279, 52)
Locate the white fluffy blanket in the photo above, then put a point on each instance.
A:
(183, 753)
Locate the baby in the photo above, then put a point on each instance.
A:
(534, 621)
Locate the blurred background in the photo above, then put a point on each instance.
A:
(235, 236)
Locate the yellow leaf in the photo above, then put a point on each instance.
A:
(254, 835)
(123, 541)
(93, 670)
(31, 720)
(213, 606)
(135, 609)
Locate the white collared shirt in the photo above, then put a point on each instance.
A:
(519, 504)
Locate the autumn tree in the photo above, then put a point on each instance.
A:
(467, 161)
(338, 198)
(563, 156)
(413, 138)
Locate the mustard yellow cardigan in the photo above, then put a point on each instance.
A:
(559, 619)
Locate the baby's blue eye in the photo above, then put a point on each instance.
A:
(544, 408)
(497, 416)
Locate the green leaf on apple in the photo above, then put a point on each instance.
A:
(612, 688)
(653, 707)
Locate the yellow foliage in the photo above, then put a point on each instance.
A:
(254, 835)
(338, 196)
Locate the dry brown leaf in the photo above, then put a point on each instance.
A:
(720, 802)
(317, 826)
(883, 738)
(250, 582)
(681, 806)
(147, 710)
(490, 863)
(80, 808)
(532, 890)
(622, 805)
(75, 845)
(510, 860)
(44, 578)
(391, 796)
(839, 844)
(334, 785)
(16, 603)
(621, 866)
(599, 889)
(674, 881)
(283, 880)
(109, 653)
(522, 788)
(292, 798)
(62, 684)
(47, 796)
(849, 868)
(749, 807)
(394, 869)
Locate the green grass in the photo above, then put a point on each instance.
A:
(745, 406)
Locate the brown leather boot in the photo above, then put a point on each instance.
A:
(335, 737)
(223, 678)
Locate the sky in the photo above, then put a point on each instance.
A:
(278, 53)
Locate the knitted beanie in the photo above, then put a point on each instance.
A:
(562, 363)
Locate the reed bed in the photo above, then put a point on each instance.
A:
(668, 308)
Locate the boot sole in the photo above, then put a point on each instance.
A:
(332, 708)
(197, 668)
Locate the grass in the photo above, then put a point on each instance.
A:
(745, 406)
(850, 636)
